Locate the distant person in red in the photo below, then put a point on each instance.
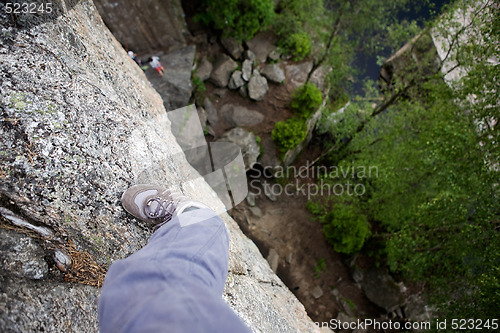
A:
(156, 64)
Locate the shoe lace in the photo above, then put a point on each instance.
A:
(161, 209)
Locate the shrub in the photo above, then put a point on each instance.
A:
(198, 84)
(241, 19)
(315, 208)
(346, 229)
(198, 89)
(298, 45)
(288, 134)
(297, 21)
(306, 99)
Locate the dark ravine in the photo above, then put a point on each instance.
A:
(80, 123)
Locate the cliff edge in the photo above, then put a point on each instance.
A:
(80, 123)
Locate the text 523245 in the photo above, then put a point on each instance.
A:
(27, 7)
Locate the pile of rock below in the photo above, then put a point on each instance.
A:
(249, 70)
(237, 70)
(247, 80)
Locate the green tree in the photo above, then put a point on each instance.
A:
(241, 19)
(345, 228)
(298, 45)
(436, 197)
(306, 99)
(298, 24)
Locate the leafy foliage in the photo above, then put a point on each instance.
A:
(435, 199)
(298, 45)
(241, 19)
(288, 134)
(346, 229)
(296, 24)
(198, 89)
(306, 99)
(316, 208)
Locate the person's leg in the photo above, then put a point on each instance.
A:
(173, 284)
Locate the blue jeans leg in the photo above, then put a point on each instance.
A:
(173, 284)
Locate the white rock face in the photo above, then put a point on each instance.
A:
(458, 24)
(82, 124)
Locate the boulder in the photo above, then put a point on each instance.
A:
(243, 91)
(297, 73)
(246, 69)
(274, 55)
(222, 70)
(317, 292)
(273, 73)
(262, 44)
(251, 199)
(273, 258)
(357, 274)
(204, 69)
(416, 309)
(247, 143)
(249, 55)
(319, 75)
(212, 116)
(236, 81)
(237, 115)
(232, 46)
(257, 87)
(381, 289)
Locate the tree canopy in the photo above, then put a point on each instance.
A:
(435, 200)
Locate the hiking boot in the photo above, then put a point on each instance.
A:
(155, 204)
